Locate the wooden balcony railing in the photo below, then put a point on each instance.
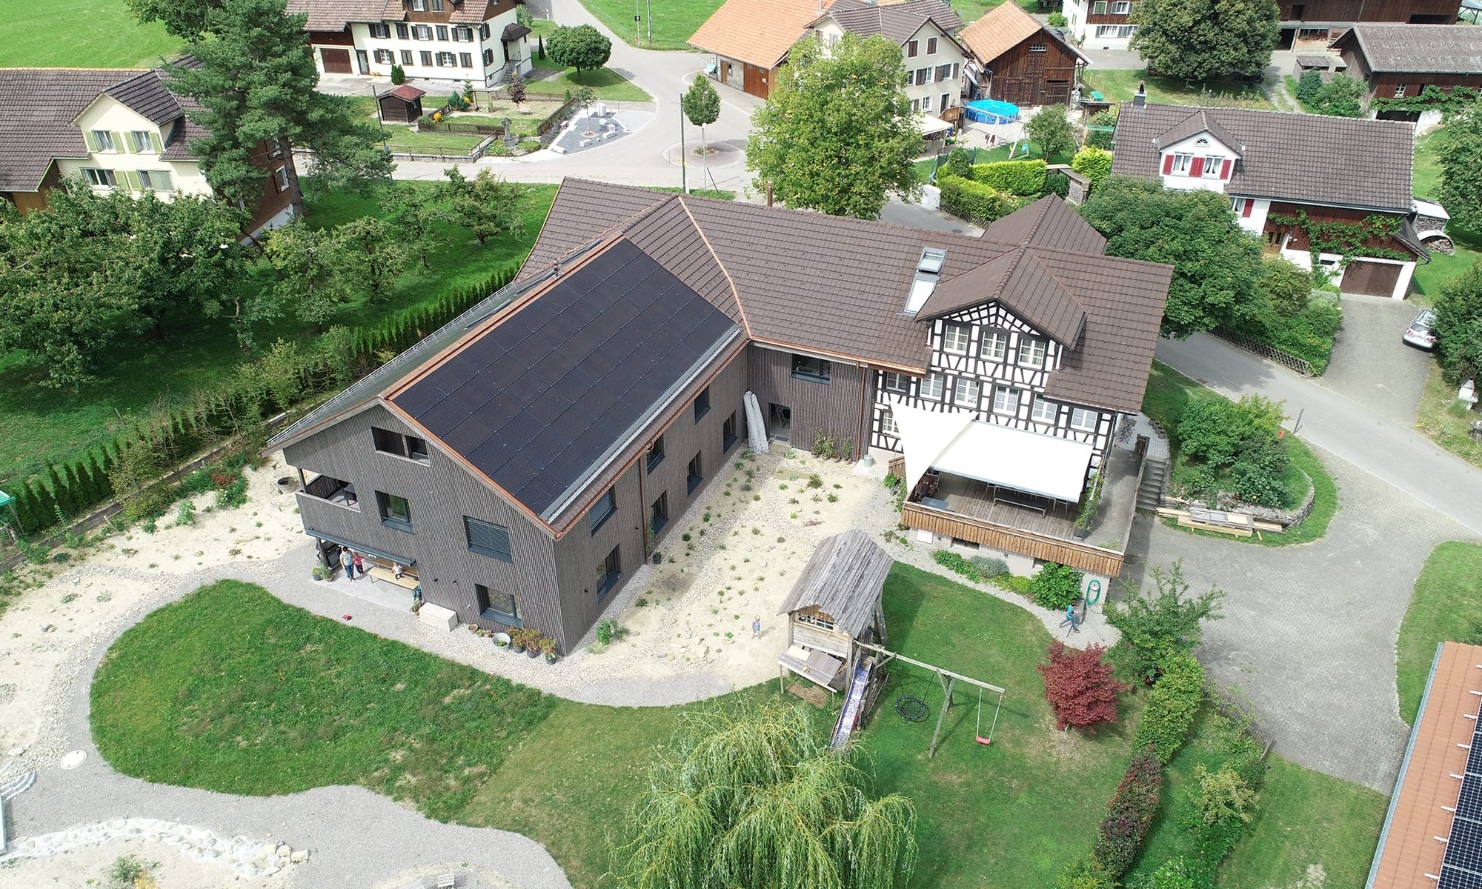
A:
(1080, 556)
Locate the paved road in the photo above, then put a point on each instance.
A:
(1391, 451)
(1371, 366)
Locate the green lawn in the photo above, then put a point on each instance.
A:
(1442, 420)
(78, 34)
(1306, 821)
(230, 689)
(1445, 607)
(1167, 394)
(603, 82)
(972, 10)
(43, 424)
(673, 20)
(1443, 267)
(1118, 85)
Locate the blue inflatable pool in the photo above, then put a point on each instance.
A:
(991, 111)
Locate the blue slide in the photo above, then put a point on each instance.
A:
(850, 714)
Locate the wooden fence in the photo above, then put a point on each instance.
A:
(424, 125)
(1266, 350)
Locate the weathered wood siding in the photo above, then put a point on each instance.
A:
(1441, 12)
(579, 551)
(1025, 77)
(439, 492)
(835, 408)
(1275, 230)
(1084, 558)
(820, 639)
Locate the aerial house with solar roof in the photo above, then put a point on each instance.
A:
(523, 461)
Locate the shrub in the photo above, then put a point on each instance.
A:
(975, 202)
(1172, 705)
(1343, 96)
(1021, 178)
(1101, 138)
(1258, 475)
(1130, 814)
(989, 568)
(1055, 586)
(1286, 285)
(1309, 87)
(1087, 874)
(1057, 20)
(1222, 796)
(1079, 686)
(1459, 326)
(1158, 630)
(1093, 163)
(953, 562)
(1172, 874)
(1215, 429)
(959, 163)
(1057, 183)
(398, 75)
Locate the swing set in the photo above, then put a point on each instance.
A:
(947, 679)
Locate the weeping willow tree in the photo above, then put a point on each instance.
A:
(751, 796)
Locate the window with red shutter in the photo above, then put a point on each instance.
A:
(1250, 204)
(1167, 164)
(1225, 173)
(1197, 169)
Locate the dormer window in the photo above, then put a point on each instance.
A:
(1212, 166)
(1182, 163)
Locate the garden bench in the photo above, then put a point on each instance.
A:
(406, 581)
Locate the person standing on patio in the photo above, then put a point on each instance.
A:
(347, 561)
(358, 562)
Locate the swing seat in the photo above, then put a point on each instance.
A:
(984, 741)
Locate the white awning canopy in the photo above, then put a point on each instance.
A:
(930, 125)
(954, 443)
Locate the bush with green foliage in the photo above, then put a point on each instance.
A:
(1050, 129)
(1099, 138)
(1171, 707)
(1342, 96)
(1087, 873)
(957, 564)
(1159, 629)
(1055, 586)
(1213, 430)
(1093, 163)
(959, 163)
(1057, 20)
(1309, 87)
(1025, 179)
(582, 47)
(1130, 815)
(990, 568)
(977, 203)
(1057, 183)
(1258, 474)
(1172, 874)
(1459, 326)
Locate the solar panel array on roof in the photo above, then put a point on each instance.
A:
(540, 398)
(1461, 868)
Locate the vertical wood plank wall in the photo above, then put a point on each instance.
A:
(834, 408)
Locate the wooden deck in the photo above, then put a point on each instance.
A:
(1034, 515)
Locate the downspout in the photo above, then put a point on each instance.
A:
(864, 419)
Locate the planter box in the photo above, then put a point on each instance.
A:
(438, 616)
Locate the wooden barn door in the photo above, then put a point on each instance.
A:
(336, 61)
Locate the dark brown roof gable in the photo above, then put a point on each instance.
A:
(334, 15)
(836, 285)
(147, 95)
(1302, 158)
(896, 22)
(1418, 49)
(1048, 222)
(39, 105)
(1024, 285)
(1193, 125)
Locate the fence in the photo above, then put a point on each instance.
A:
(1265, 350)
(550, 128)
(443, 126)
(478, 151)
(254, 394)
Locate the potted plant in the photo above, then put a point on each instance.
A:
(501, 640)
(533, 643)
(517, 641)
(320, 572)
(548, 648)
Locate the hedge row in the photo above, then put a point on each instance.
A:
(977, 203)
(1022, 178)
(1130, 815)
(274, 383)
(1172, 705)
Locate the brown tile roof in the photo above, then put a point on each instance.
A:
(406, 92)
(897, 22)
(1419, 49)
(147, 95)
(1022, 282)
(1195, 124)
(1047, 222)
(334, 15)
(36, 125)
(1003, 28)
(758, 32)
(1302, 158)
(1410, 845)
(838, 286)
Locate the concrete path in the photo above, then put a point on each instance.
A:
(1309, 631)
(1353, 431)
(1371, 366)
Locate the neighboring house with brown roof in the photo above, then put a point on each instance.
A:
(479, 41)
(1432, 835)
(113, 129)
(1316, 23)
(526, 459)
(751, 40)
(1013, 58)
(1100, 24)
(1278, 167)
(1397, 61)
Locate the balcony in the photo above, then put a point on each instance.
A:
(332, 490)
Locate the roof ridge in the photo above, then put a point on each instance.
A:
(1046, 267)
(735, 293)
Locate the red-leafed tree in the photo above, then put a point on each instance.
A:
(1079, 685)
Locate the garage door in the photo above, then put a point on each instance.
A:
(336, 61)
(1374, 278)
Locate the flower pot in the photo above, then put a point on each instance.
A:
(551, 658)
(501, 640)
(517, 648)
(532, 652)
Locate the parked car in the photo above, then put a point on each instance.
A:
(1422, 331)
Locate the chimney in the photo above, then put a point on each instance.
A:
(1140, 98)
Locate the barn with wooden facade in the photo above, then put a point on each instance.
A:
(1013, 58)
(1316, 23)
(1284, 173)
(1398, 61)
(750, 40)
(525, 460)
(834, 603)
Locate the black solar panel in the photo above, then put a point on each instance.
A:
(1464, 848)
(1474, 757)
(1469, 802)
(1454, 878)
(536, 401)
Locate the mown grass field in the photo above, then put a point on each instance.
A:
(45, 424)
(78, 34)
(1118, 85)
(1445, 607)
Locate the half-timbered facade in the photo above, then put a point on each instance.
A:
(561, 425)
(1286, 173)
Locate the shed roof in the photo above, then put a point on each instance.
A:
(757, 32)
(844, 579)
(896, 22)
(1302, 158)
(1001, 29)
(1417, 49)
(406, 92)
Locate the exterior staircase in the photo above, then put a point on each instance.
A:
(1154, 479)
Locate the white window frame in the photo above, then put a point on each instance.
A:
(419, 5)
(1033, 352)
(104, 140)
(142, 143)
(385, 57)
(1181, 163)
(933, 385)
(1084, 419)
(380, 30)
(995, 345)
(1099, 7)
(896, 383)
(421, 32)
(1006, 400)
(147, 180)
(888, 425)
(280, 178)
(1213, 163)
(1400, 90)
(451, 57)
(1121, 7)
(1043, 410)
(99, 178)
(964, 385)
(955, 332)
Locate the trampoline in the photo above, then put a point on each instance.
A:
(991, 111)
